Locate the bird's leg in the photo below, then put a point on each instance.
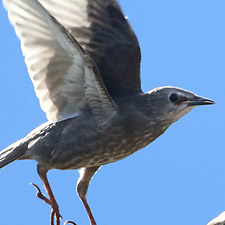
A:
(82, 187)
(51, 201)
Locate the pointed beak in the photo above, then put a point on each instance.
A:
(197, 100)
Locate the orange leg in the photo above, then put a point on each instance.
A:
(51, 201)
(82, 186)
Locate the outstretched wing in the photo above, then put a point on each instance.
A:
(101, 28)
(65, 78)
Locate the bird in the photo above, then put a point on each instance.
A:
(84, 61)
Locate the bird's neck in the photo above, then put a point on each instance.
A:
(141, 121)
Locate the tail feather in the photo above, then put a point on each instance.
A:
(12, 153)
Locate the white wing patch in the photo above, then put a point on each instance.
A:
(64, 77)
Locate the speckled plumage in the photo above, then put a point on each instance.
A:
(80, 142)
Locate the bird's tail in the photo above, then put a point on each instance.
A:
(11, 153)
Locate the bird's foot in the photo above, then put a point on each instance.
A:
(55, 208)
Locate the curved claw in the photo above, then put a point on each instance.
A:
(40, 195)
(68, 221)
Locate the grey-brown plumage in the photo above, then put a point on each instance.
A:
(85, 66)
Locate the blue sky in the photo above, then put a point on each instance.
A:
(178, 179)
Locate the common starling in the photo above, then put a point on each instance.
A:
(84, 61)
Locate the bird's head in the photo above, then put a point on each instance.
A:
(172, 103)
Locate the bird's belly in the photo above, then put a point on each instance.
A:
(95, 155)
(75, 147)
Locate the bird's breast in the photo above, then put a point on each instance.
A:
(102, 148)
(83, 144)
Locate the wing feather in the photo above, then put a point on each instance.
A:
(64, 76)
(101, 28)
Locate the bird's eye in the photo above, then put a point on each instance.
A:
(173, 97)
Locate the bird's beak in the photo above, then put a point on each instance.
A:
(197, 100)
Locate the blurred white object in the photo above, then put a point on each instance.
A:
(219, 220)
